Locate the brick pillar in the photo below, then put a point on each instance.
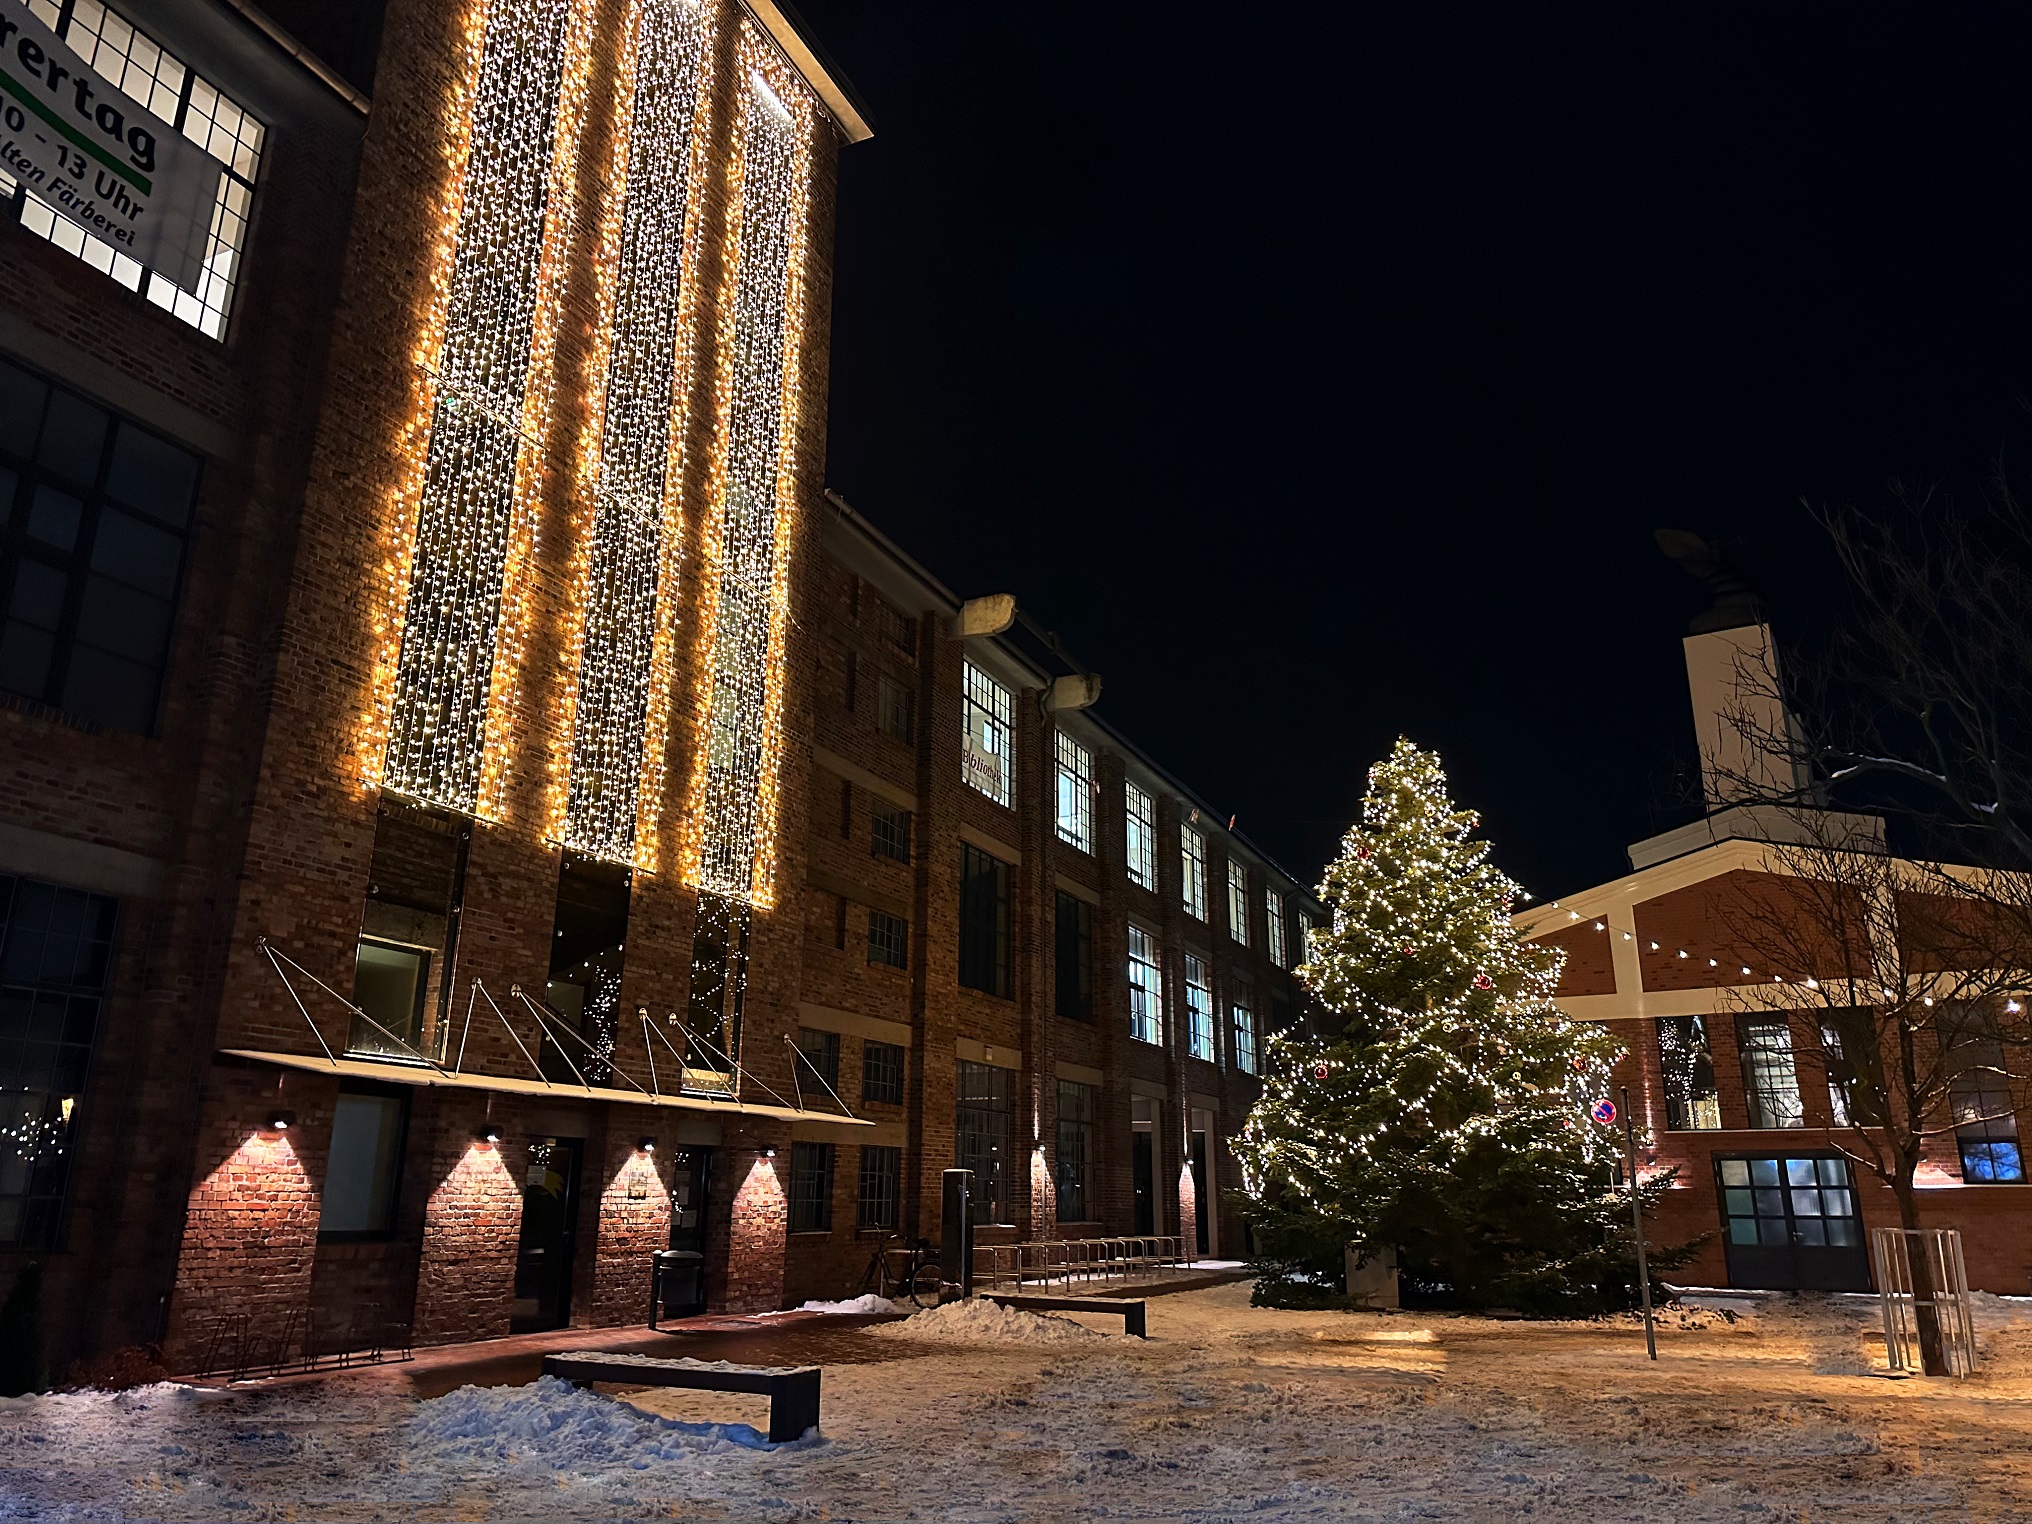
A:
(472, 1225)
(250, 1230)
(751, 1217)
(633, 1222)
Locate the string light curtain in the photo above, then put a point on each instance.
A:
(734, 820)
(479, 435)
(635, 529)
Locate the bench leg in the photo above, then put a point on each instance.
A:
(793, 1407)
(1132, 1321)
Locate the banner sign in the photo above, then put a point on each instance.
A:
(97, 157)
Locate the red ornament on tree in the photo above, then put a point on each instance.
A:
(1319, 1071)
(1484, 982)
(1362, 853)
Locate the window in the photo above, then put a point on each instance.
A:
(1192, 855)
(882, 1073)
(811, 1187)
(94, 516)
(1776, 1203)
(1075, 792)
(1273, 908)
(1245, 1039)
(984, 922)
(159, 81)
(1238, 902)
(1075, 1150)
(1199, 1009)
(365, 1164)
(895, 627)
(895, 709)
(56, 948)
(1770, 1082)
(1146, 997)
(1074, 960)
(891, 837)
(888, 939)
(1692, 1103)
(983, 1106)
(1141, 812)
(1848, 1034)
(389, 980)
(818, 1057)
(985, 751)
(881, 1182)
(1979, 1093)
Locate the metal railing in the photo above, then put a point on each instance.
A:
(309, 1339)
(1941, 1312)
(1066, 1261)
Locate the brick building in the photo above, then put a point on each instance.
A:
(473, 804)
(1745, 962)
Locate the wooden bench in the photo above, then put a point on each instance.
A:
(792, 1390)
(1131, 1313)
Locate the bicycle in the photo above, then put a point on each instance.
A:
(920, 1281)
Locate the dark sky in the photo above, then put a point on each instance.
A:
(1321, 379)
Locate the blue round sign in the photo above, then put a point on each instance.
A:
(1603, 1111)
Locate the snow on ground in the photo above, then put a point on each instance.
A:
(983, 1322)
(1228, 1412)
(863, 1306)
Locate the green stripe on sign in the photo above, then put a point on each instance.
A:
(125, 172)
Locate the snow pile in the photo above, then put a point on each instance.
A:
(863, 1306)
(983, 1322)
(566, 1429)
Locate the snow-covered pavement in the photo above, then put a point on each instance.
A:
(1228, 1412)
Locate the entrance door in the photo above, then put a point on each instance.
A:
(1792, 1223)
(1202, 1192)
(684, 1281)
(1146, 1181)
(543, 1261)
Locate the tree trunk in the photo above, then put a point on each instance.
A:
(1925, 1317)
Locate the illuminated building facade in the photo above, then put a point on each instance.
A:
(420, 896)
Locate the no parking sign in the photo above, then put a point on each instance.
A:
(1604, 1112)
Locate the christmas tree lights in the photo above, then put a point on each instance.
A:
(634, 528)
(474, 514)
(1442, 1107)
(739, 718)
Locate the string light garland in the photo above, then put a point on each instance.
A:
(739, 717)
(489, 395)
(635, 528)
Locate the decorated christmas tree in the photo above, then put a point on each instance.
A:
(1440, 1106)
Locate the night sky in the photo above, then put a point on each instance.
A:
(1322, 379)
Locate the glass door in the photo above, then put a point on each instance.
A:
(1792, 1223)
(543, 1260)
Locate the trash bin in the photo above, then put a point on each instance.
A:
(676, 1284)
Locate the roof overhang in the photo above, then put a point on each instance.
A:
(502, 1084)
(820, 73)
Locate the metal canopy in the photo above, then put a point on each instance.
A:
(501, 1084)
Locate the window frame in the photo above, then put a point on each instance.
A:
(1682, 1042)
(895, 709)
(828, 1047)
(1139, 856)
(801, 1200)
(1073, 792)
(83, 578)
(901, 1067)
(1765, 1063)
(986, 951)
(1242, 1021)
(1192, 858)
(1145, 1025)
(1074, 1178)
(1273, 917)
(888, 939)
(1201, 1040)
(401, 1097)
(988, 712)
(1072, 965)
(887, 1178)
(993, 1205)
(1238, 902)
(896, 847)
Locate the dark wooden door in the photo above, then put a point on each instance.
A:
(543, 1259)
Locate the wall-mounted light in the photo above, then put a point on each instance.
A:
(281, 1121)
(647, 1145)
(488, 1133)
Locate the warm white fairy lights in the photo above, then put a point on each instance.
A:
(484, 411)
(734, 785)
(634, 523)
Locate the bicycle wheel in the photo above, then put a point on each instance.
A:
(926, 1285)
